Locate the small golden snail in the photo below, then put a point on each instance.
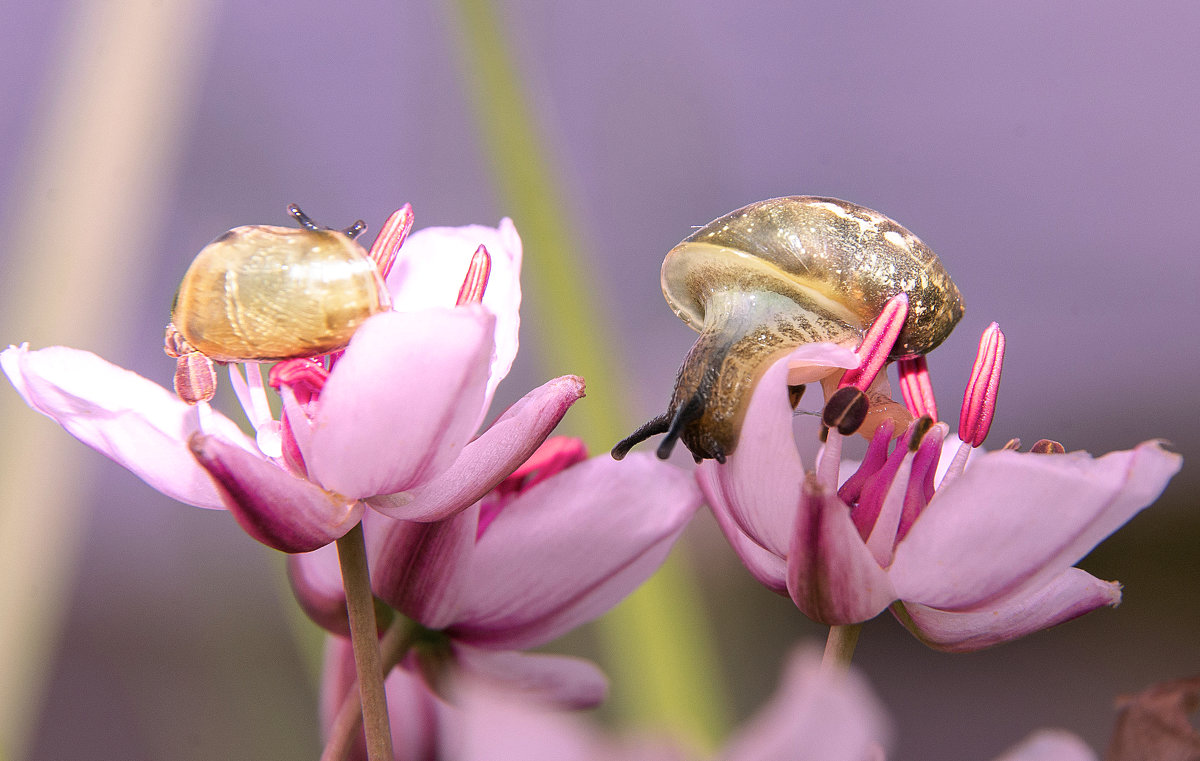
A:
(262, 293)
(766, 278)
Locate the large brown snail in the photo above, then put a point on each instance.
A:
(766, 278)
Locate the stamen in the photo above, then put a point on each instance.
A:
(920, 483)
(870, 504)
(250, 394)
(475, 283)
(846, 410)
(391, 237)
(195, 378)
(830, 462)
(882, 540)
(917, 432)
(1047, 446)
(873, 460)
(916, 387)
(1013, 445)
(877, 343)
(979, 401)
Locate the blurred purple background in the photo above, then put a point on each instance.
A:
(1047, 151)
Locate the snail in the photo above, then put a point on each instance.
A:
(766, 278)
(261, 293)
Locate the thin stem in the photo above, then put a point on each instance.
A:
(360, 604)
(839, 648)
(393, 646)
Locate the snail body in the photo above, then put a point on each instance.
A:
(262, 293)
(766, 278)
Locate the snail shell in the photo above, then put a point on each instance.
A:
(768, 277)
(262, 293)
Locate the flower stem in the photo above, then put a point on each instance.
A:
(839, 647)
(393, 646)
(360, 604)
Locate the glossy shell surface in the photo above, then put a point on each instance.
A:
(261, 293)
(838, 260)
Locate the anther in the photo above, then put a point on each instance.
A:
(917, 432)
(979, 401)
(1013, 445)
(916, 387)
(475, 283)
(195, 378)
(794, 394)
(877, 343)
(391, 237)
(846, 410)
(1047, 446)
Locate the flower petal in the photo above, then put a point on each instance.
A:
(278, 509)
(430, 270)
(497, 723)
(832, 576)
(402, 402)
(1012, 517)
(1071, 594)
(490, 458)
(316, 581)
(759, 484)
(414, 713)
(816, 714)
(554, 679)
(133, 421)
(422, 569)
(767, 567)
(572, 546)
(1050, 745)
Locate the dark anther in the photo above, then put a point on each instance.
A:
(846, 410)
(302, 218)
(684, 415)
(920, 427)
(355, 229)
(794, 394)
(1012, 445)
(1047, 446)
(823, 436)
(656, 426)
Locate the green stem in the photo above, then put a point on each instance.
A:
(393, 646)
(658, 641)
(360, 604)
(839, 647)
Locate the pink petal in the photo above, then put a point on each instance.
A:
(430, 270)
(767, 567)
(490, 458)
(133, 421)
(1050, 745)
(498, 723)
(316, 581)
(422, 569)
(1069, 595)
(415, 714)
(278, 509)
(759, 484)
(555, 679)
(1013, 518)
(816, 715)
(571, 547)
(832, 576)
(402, 402)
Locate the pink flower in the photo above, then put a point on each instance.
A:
(391, 424)
(560, 542)
(817, 714)
(970, 559)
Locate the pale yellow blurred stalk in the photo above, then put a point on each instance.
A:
(660, 653)
(85, 208)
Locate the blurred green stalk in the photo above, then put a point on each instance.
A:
(659, 644)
